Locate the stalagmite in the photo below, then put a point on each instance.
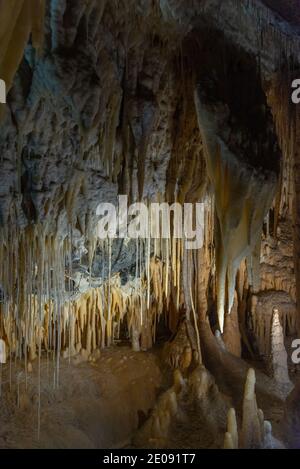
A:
(179, 382)
(278, 356)
(156, 429)
(255, 431)
(268, 439)
(178, 352)
(228, 443)
(232, 428)
(251, 433)
(262, 306)
(200, 382)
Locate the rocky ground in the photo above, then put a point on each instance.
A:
(97, 405)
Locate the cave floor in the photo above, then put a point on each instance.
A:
(97, 405)
(101, 404)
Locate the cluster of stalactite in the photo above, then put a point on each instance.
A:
(40, 311)
(42, 308)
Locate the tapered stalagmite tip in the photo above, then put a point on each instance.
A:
(250, 384)
(228, 441)
(232, 426)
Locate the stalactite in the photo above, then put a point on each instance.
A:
(42, 315)
(239, 217)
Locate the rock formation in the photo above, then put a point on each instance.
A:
(172, 120)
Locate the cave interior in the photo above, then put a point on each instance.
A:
(142, 341)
